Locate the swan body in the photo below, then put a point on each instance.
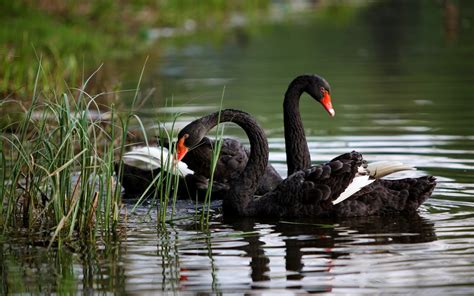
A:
(334, 189)
(232, 161)
(342, 187)
(143, 164)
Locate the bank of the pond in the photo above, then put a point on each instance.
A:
(72, 38)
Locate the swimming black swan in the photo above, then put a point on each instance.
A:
(341, 187)
(142, 165)
(234, 155)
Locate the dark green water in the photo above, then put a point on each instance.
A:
(402, 74)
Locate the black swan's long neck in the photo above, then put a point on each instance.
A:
(297, 152)
(243, 189)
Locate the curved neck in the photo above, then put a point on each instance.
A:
(297, 152)
(243, 188)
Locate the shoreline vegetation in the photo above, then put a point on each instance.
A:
(72, 38)
(59, 143)
(58, 167)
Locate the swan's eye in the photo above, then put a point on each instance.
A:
(186, 140)
(323, 90)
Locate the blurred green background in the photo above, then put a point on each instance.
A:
(372, 52)
(72, 38)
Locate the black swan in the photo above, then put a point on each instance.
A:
(297, 152)
(341, 187)
(143, 163)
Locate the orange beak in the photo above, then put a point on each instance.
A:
(327, 104)
(181, 149)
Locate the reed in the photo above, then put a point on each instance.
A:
(162, 190)
(57, 167)
(167, 181)
(204, 220)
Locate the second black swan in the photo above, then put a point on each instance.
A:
(341, 187)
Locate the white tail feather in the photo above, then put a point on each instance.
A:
(381, 169)
(357, 184)
(150, 158)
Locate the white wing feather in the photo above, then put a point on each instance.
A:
(374, 170)
(357, 184)
(381, 169)
(150, 158)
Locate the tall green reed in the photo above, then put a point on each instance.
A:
(57, 169)
(163, 188)
(170, 177)
(216, 152)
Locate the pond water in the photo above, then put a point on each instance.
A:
(402, 77)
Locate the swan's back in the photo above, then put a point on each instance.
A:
(315, 192)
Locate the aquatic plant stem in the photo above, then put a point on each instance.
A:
(215, 158)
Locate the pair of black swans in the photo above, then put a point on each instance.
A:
(343, 187)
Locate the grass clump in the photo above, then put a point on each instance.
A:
(57, 166)
(58, 162)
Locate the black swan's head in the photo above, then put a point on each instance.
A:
(317, 87)
(190, 137)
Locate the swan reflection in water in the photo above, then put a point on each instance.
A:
(305, 254)
(330, 239)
